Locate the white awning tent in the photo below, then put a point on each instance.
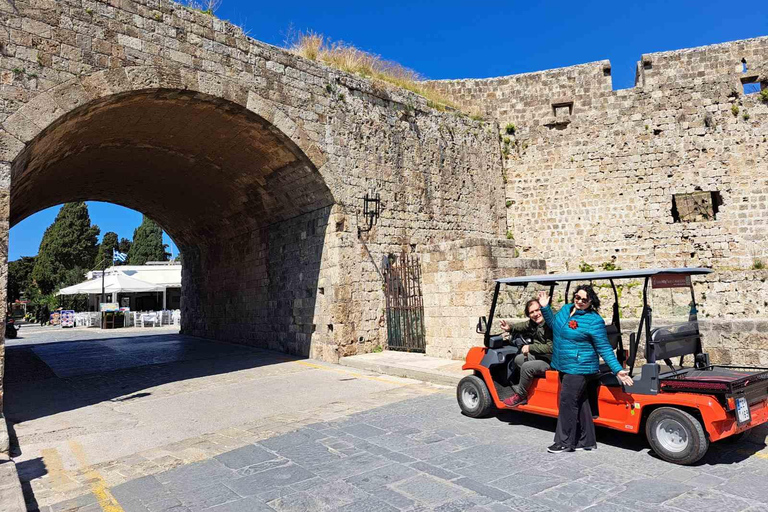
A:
(113, 283)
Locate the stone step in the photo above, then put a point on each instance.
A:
(410, 365)
(11, 497)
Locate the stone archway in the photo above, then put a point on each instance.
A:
(225, 172)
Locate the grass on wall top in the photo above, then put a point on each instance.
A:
(346, 57)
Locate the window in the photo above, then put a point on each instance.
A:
(750, 85)
(562, 110)
(696, 206)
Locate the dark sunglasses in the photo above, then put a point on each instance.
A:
(581, 299)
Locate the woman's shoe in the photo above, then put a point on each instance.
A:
(559, 448)
(585, 448)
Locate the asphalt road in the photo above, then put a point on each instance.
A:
(150, 420)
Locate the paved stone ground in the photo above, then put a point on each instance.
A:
(336, 439)
(421, 454)
(95, 409)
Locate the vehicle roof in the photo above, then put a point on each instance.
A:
(594, 276)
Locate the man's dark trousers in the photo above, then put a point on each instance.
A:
(530, 367)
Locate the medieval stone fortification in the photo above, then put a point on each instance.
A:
(257, 163)
(672, 172)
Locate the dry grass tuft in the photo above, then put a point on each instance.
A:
(204, 6)
(347, 58)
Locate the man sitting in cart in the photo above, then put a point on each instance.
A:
(534, 359)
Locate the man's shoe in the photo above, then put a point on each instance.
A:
(585, 448)
(515, 400)
(558, 448)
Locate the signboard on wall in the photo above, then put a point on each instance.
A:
(670, 281)
(109, 306)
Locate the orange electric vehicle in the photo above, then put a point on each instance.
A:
(681, 406)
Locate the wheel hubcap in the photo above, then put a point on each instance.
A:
(470, 398)
(672, 436)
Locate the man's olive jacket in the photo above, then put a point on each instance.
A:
(540, 335)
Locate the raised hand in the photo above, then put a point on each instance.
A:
(543, 298)
(624, 378)
(505, 326)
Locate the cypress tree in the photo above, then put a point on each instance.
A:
(147, 244)
(125, 246)
(68, 248)
(108, 243)
(20, 277)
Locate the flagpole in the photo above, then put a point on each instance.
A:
(103, 271)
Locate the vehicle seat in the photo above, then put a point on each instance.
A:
(607, 378)
(613, 335)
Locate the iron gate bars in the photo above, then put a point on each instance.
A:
(405, 307)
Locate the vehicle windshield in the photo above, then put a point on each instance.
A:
(512, 299)
(675, 316)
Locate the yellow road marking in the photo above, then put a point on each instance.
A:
(759, 455)
(107, 502)
(54, 467)
(347, 372)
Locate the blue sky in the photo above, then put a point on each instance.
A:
(462, 39)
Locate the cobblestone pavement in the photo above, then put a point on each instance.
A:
(96, 409)
(421, 454)
(271, 433)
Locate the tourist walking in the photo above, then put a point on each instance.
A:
(44, 315)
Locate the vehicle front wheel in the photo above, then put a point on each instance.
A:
(676, 436)
(473, 397)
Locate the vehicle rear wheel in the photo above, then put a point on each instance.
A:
(473, 397)
(676, 436)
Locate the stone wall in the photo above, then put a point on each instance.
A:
(261, 148)
(458, 283)
(591, 172)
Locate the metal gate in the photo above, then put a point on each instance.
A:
(405, 308)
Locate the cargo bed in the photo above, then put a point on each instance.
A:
(749, 382)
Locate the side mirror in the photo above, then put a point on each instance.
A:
(482, 325)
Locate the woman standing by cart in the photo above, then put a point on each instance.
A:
(579, 337)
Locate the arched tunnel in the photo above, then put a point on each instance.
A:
(225, 184)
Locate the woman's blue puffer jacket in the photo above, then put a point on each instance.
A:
(578, 341)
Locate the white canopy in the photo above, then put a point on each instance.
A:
(113, 283)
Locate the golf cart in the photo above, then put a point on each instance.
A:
(682, 405)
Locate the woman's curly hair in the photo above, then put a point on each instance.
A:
(593, 298)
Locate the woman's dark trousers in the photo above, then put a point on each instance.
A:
(575, 427)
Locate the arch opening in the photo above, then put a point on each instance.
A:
(244, 204)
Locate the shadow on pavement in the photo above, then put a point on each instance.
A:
(726, 451)
(30, 470)
(48, 379)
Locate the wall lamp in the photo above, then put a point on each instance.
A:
(371, 210)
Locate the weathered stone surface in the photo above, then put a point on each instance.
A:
(458, 283)
(254, 160)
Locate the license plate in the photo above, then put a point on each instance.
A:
(742, 411)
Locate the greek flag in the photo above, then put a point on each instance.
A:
(118, 256)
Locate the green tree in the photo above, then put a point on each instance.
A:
(20, 277)
(67, 250)
(108, 244)
(125, 246)
(147, 244)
